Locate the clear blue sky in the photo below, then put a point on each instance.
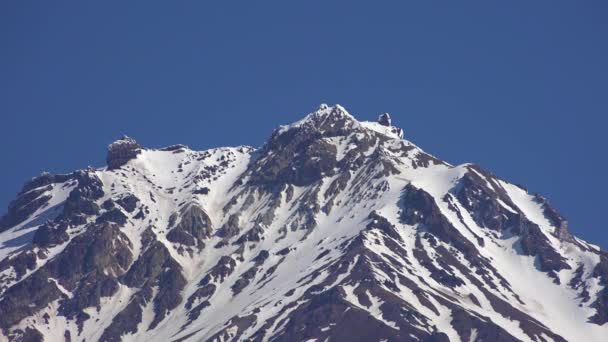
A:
(519, 87)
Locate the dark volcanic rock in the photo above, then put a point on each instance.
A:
(193, 228)
(26, 298)
(465, 323)
(156, 267)
(601, 303)
(121, 151)
(299, 155)
(27, 335)
(419, 207)
(50, 234)
(81, 201)
(485, 199)
(81, 268)
(19, 211)
(348, 323)
(475, 195)
(113, 215)
(385, 120)
(128, 202)
(230, 228)
(32, 197)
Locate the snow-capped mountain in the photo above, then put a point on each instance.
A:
(334, 230)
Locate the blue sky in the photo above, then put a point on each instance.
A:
(519, 87)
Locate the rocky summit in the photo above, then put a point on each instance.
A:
(334, 230)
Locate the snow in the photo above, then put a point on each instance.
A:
(19, 236)
(323, 111)
(388, 131)
(165, 182)
(473, 336)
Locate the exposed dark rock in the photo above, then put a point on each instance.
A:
(438, 274)
(193, 228)
(534, 242)
(20, 263)
(300, 155)
(254, 234)
(114, 215)
(128, 202)
(224, 267)
(27, 335)
(45, 179)
(283, 251)
(231, 228)
(601, 307)
(156, 267)
(601, 303)
(108, 204)
(81, 200)
(25, 205)
(50, 234)
(128, 319)
(238, 323)
(465, 323)
(244, 280)
(385, 119)
(484, 204)
(81, 268)
(424, 160)
(348, 323)
(338, 185)
(420, 208)
(201, 191)
(382, 224)
(204, 292)
(557, 220)
(261, 257)
(121, 151)
(26, 298)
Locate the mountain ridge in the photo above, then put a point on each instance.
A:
(332, 221)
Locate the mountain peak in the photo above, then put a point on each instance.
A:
(332, 217)
(325, 117)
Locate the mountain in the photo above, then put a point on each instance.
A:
(333, 230)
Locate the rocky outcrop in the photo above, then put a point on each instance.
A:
(33, 196)
(491, 207)
(87, 268)
(121, 151)
(385, 120)
(51, 234)
(128, 202)
(191, 227)
(560, 223)
(420, 208)
(302, 155)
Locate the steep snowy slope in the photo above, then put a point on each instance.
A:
(334, 230)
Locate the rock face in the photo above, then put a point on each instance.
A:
(121, 151)
(33, 196)
(334, 230)
(193, 228)
(385, 120)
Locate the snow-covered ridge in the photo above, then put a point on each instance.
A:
(339, 220)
